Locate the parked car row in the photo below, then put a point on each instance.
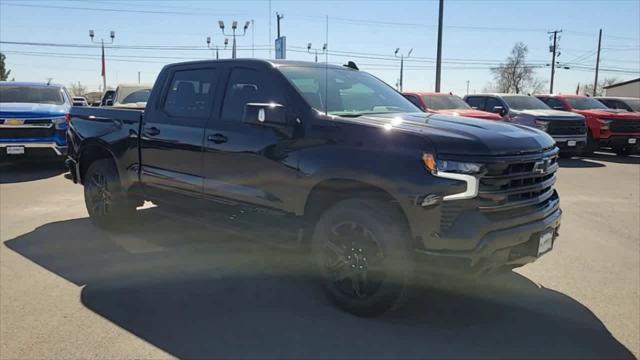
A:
(578, 124)
(33, 116)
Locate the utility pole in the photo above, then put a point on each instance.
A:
(467, 87)
(253, 40)
(278, 18)
(401, 65)
(595, 82)
(138, 77)
(553, 49)
(270, 38)
(234, 26)
(439, 54)
(112, 35)
(212, 47)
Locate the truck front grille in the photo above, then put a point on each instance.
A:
(625, 126)
(571, 127)
(26, 133)
(517, 183)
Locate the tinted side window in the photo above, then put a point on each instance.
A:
(476, 102)
(247, 86)
(191, 94)
(414, 100)
(491, 103)
(553, 103)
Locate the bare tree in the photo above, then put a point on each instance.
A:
(4, 73)
(588, 89)
(78, 89)
(515, 75)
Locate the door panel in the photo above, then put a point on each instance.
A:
(173, 131)
(249, 163)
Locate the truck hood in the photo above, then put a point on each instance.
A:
(470, 113)
(30, 110)
(455, 135)
(547, 113)
(610, 114)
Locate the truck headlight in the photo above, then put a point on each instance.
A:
(542, 125)
(60, 123)
(604, 124)
(456, 170)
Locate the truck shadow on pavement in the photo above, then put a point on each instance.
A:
(30, 170)
(201, 294)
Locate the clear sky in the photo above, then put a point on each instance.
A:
(477, 36)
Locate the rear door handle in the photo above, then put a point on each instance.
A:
(217, 138)
(152, 131)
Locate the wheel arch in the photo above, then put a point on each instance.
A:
(90, 152)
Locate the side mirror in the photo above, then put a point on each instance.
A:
(108, 102)
(267, 114)
(499, 110)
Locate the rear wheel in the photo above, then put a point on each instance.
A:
(108, 205)
(361, 248)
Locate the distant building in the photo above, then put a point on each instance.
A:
(629, 88)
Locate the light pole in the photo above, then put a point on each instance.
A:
(402, 56)
(215, 47)
(324, 49)
(234, 26)
(112, 35)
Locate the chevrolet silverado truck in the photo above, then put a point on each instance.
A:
(567, 129)
(629, 104)
(611, 128)
(325, 158)
(449, 104)
(33, 119)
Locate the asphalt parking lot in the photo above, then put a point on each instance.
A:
(169, 288)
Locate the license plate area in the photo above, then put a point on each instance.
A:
(632, 141)
(571, 143)
(15, 150)
(545, 242)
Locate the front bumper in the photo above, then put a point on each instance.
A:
(563, 141)
(496, 250)
(32, 148)
(618, 141)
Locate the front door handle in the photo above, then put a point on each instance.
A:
(217, 138)
(152, 131)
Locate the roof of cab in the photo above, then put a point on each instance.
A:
(274, 63)
(27, 83)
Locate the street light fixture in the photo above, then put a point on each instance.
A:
(112, 35)
(309, 48)
(402, 56)
(234, 27)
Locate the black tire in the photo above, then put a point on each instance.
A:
(108, 205)
(362, 251)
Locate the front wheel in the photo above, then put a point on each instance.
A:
(108, 205)
(361, 248)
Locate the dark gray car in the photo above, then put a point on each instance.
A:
(567, 129)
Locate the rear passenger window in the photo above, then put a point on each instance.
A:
(191, 93)
(554, 103)
(476, 102)
(247, 86)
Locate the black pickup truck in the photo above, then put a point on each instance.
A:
(327, 158)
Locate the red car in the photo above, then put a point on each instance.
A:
(448, 104)
(616, 129)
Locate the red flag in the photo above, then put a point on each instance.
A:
(103, 65)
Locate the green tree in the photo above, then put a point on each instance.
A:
(4, 73)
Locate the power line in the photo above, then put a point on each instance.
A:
(155, 12)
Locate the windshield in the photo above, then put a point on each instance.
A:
(525, 103)
(350, 93)
(31, 94)
(444, 102)
(585, 103)
(137, 96)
